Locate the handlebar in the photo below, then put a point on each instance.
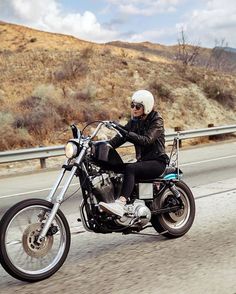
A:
(118, 128)
(110, 125)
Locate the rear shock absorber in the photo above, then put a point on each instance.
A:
(174, 190)
(176, 193)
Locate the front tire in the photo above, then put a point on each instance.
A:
(20, 254)
(175, 224)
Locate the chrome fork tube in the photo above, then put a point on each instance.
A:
(48, 222)
(61, 196)
(56, 185)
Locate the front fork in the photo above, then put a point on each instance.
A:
(60, 197)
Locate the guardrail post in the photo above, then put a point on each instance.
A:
(178, 129)
(43, 162)
(212, 137)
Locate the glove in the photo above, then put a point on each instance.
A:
(123, 132)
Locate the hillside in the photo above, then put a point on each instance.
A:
(206, 57)
(48, 81)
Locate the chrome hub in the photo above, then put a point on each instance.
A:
(30, 244)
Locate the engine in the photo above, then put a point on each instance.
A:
(137, 213)
(107, 186)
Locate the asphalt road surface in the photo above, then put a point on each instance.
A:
(202, 261)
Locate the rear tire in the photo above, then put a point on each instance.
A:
(20, 254)
(176, 224)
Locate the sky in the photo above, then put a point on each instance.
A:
(205, 23)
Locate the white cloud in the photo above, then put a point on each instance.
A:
(145, 8)
(216, 22)
(48, 15)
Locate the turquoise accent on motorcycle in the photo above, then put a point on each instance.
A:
(171, 177)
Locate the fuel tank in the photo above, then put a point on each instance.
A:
(105, 155)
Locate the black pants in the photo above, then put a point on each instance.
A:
(140, 170)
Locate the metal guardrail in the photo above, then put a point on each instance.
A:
(43, 153)
(189, 134)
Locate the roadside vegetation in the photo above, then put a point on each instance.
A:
(46, 85)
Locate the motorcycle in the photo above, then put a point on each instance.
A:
(35, 235)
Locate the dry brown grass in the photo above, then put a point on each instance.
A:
(48, 81)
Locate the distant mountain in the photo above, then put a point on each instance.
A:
(227, 55)
(230, 49)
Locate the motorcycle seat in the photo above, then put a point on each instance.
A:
(168, 170)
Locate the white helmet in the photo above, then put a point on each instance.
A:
(145, 98)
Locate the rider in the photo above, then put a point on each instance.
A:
(145, 130)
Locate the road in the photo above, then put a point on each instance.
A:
(204, 260)
(201, 165)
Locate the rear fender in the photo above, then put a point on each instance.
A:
(176, 175)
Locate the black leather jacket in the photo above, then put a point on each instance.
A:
(147, 136)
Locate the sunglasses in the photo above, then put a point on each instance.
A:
(138, 106)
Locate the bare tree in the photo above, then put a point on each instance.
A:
(219, 58)
(187, 53)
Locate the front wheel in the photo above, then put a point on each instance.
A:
(20, 253)
(176, 224)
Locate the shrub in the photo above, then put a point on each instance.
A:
(218, 93)
(46, 93)
(87, 52)
(6, 118)
(39, 121)
(71, 69)
(30, 102)
(124, 53)
(10, 136)
(160, 90)
(103, 114)
(106, 51)
(40, 112)
(193, 75)
(68, 111)
(49, 109)
(124, 62)
(33, 40)
(59, 75)
(143, 58)
(81, 95)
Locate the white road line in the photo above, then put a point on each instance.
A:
(31, 192)
(184, 164)
(207, 160)
(215, 193)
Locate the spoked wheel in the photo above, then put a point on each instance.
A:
(176, 224)
(20, 254)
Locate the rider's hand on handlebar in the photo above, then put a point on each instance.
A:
(119, 128)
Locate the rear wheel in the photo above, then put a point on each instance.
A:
(176, 224)
(20, 253)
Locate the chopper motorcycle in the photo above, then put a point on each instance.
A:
(35, 235)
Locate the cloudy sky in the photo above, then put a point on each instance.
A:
(157, 21)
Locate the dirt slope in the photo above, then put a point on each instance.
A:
(50, 80)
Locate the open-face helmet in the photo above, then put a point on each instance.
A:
(145, 98)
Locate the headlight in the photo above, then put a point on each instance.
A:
(71, 150)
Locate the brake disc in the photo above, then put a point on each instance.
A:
(178, 215)
(30, 244)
